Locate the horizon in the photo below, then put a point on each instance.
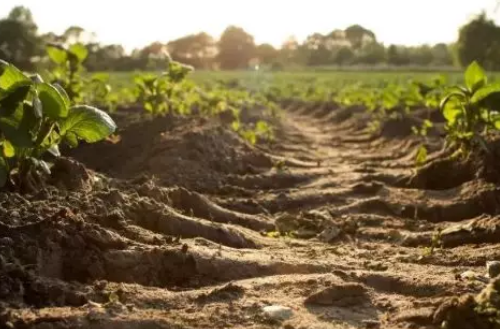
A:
(411, 24)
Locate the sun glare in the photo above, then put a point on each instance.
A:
(138, 23)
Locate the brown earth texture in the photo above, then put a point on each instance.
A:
(180, 223)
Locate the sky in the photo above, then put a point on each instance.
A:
(137, 23)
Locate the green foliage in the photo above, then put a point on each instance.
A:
(479, 41)
(160, 94)
(98, 91)
(35, 117)
(68, 68)
(471, 110)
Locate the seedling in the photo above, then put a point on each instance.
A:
(67, 72)
(98, 91)
(470, 110)
(35, 117)
(156, 93)
(422, 152)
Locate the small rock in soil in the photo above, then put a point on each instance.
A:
(341, 295)
(278, 312)
(493, 268)
(471, 275)
(329, 234)
(305, 234)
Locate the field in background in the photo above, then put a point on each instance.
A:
(126, 79)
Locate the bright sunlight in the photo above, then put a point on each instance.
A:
(137, 23)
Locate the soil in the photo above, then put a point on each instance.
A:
(180, 223)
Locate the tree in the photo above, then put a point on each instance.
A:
(358, 36)
(479, 40)
(441, 55)
(105, 57)
(317, 49)
(371, 53)
(421, 56)
(236, 48)
(19, 43)
(267, 54)
(344, 56)
(197, 50)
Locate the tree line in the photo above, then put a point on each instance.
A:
(22, 45)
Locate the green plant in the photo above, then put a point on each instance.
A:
(67, 73)
(471, 110)
(252, 134)
(98, 91)
(157, 93)
(35, 117)
(421, 132)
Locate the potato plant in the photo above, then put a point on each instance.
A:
(35, 118)
(67, 73)
(471, 110)
(157, 93)
(98, 91)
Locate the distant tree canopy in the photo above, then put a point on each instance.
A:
(479, 40)
(21, 44)
(236, 49)
(197, 50)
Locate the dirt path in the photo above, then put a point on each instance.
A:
(357, 256)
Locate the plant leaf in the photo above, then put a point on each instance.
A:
(63, 93)
(451, 112)
(11, 75)
(88, 123)
(421, 157)
(14, 96)
(57, 53)
(455, 94)
(53, 103)
(8, 149)
(485, 92)
(15, 133)
(79, 51)
(475, 77)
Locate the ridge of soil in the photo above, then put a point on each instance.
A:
(179, 223)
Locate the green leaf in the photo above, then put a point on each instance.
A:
(88, 123)
(63, 93)
(15, 95)
(57, 53)
(53, 103)
(79, 51)
(494, 118)
(71, 139)
(475, 77)
(11, 76)
(262, 127)
(452, 96)
(421, 157)
(486, 92)
(8, 149)
(15, 133)
(4, 171)
(451, 112)
(148, 106)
